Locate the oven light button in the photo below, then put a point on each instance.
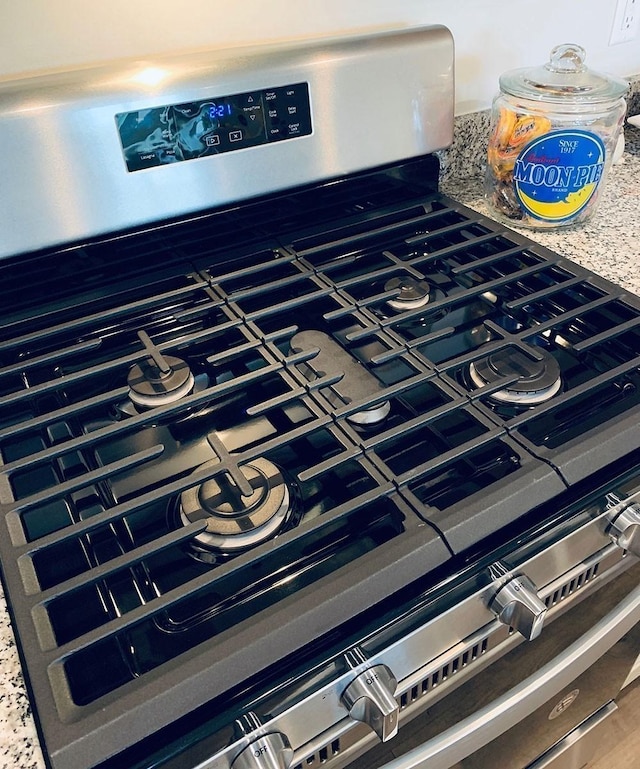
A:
(625, 529)
(518, 605)
(272, 751)
(370, 698)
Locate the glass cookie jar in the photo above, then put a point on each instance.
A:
(553, 133)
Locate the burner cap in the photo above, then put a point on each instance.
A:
(413, 294)
(234, 520)
(371, 416)
(150, 386)
(158, 379)
(538, 377)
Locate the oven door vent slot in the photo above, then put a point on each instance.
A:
(569, 587)
(461, 661)
(321, 756)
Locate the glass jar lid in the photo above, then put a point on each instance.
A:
(563, 78)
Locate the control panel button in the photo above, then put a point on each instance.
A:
(625, 529)
(288, 112)
(370, 698)
(214, 126)
(272, 751)
(518, 605)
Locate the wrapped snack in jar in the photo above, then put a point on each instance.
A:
(553, 133)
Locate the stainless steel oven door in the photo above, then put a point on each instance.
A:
(517, 712)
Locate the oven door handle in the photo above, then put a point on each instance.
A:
(471, 734)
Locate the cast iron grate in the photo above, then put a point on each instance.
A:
(103, 589)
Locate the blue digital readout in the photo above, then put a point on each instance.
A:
(219, 110)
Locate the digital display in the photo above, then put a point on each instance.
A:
(177, 132)
(219, 110)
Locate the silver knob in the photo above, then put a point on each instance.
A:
(625, 529)
(518, 605)
(369, 698)
(272, 751)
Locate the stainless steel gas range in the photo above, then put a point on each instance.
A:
(295, 449)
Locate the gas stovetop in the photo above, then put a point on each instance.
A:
(266, 442)
(237, 441)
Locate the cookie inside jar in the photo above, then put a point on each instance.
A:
(553, 133)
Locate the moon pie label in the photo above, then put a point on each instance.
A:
(556, 175)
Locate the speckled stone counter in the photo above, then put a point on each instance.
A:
(609, 245)
(19, 746)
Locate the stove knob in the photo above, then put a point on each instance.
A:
(369, 698)
(625, 529)
(269, 752)
(518, 605)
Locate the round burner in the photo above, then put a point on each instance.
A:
(371, 416)
(538, 377)
(413, 294)
(234, 520)
(150, 385)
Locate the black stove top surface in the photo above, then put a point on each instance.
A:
(235, 434)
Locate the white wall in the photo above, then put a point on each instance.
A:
(491, 35)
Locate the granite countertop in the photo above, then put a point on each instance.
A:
(609, 245)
